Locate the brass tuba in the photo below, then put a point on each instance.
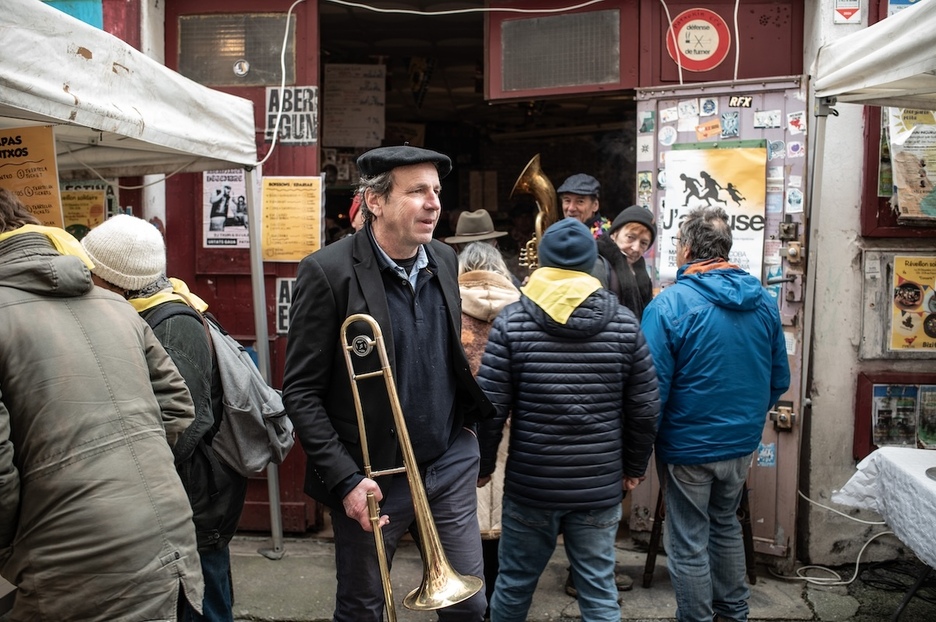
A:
(441, 585)
(532, 181)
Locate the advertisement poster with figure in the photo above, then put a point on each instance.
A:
(731, 176)
(926, 429)
(224, 220)
(913, 310)
(894, 414)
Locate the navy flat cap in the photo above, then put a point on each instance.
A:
(383, 159)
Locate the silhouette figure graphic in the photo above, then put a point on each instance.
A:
(711, 189)
(692, 188)
(735, 194)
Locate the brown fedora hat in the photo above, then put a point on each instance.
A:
(474, 226)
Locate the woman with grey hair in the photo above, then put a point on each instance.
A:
(485, 286)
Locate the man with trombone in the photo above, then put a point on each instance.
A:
(417, 409)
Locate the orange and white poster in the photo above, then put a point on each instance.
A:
(913, 309)
(731, 177)
(28, 168)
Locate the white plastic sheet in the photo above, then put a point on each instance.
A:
(893, 482)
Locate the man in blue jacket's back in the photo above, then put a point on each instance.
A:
(718, 346)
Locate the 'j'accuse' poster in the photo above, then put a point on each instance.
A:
(733, 178)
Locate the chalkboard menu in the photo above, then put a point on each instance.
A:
(353, 105)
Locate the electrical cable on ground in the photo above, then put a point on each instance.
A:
(834, 578)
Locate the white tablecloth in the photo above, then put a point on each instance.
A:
(892, 481)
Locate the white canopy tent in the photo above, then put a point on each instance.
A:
(114, 109)
(117, 112)
(891, 63)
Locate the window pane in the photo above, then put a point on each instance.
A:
(236, 50)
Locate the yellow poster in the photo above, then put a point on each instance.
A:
(83, 210)
(913, 307)
(28, 168)
(732, 176)
(292, 222)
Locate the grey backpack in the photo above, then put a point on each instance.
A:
(254, 429)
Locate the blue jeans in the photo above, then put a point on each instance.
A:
(702, 536)
(451, 489)
(528, 539)
(218, 600)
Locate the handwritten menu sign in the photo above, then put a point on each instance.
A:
(28, 168)
(353, 107)
(292, 222)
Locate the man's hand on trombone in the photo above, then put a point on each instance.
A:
(355, 504)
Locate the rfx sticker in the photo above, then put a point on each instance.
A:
(740, 101)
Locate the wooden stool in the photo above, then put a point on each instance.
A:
(747, 535)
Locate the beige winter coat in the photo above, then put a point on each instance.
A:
(483, 295)
(94, 522)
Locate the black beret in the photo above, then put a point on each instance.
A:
(383, 159)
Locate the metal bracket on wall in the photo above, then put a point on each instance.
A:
(783, 417)
(793, 252)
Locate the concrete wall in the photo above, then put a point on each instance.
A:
(827, 462)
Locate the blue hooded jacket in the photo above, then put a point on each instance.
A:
(720, 355)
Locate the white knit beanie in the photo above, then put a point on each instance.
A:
(127, 252)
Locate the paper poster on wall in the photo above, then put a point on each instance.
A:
(292, 223)
(296, 107)
(894, 414)
(353, 105)
(926, 427)
(731, 176)
(224, 209)
(28, 168)
(284, 292)
(913, 307)
(913, 159)
(109, 188)
(83, 210)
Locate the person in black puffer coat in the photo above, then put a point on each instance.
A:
(571, 367)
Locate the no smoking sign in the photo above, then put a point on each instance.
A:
(700, 38)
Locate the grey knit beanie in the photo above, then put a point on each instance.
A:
(127, 252)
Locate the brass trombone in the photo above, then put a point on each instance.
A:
(441, 585)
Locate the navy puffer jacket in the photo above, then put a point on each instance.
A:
(583, 400)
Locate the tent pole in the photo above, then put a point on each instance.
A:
(262, 345)
(822, 109)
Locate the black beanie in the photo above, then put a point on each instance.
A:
(637, 214)
(568, 244)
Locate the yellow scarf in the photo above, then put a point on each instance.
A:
(62, 240)
(559, 292)
(180, 292)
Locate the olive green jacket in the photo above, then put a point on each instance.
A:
(94, 522)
